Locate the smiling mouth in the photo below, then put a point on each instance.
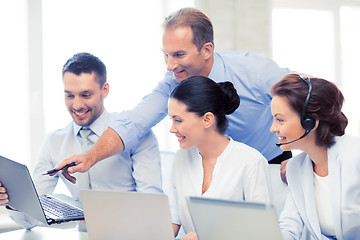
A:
(180, 138)
(179, 73)
(281, 139)
(81, 114)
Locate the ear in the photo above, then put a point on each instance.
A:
(207, 50)
(316, 123)
(208, 119)
(105, 89)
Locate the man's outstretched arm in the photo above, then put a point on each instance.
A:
(108, 144)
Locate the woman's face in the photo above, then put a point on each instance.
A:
(286, 124)
(187, 126)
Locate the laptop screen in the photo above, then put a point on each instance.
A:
(222, 219)
(126, 215)
(23, 195)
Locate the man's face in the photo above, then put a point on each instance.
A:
(183, 57)
(84, 98)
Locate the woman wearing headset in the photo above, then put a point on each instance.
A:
(324, 180)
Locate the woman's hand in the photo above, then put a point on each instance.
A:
(283, 171)
(4, 197)
(190, 236)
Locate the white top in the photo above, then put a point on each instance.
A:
(323, 205)
(344, 177)
(240, 173)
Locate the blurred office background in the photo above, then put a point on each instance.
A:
(319, 37)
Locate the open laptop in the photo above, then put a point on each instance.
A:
(126, 215)
(23, 196)
(222, 219)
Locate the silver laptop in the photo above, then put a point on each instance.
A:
(23, 196)
(216, 219)
(126, 215)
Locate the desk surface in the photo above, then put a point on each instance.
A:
(42, 233)
(66, 231)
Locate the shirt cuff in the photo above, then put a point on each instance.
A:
(123, 128)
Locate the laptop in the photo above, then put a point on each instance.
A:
(23, 196)
(126, 215)
(222, 219)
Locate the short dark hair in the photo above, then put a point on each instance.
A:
(199, 23)
(86, 63)
(325, 104)
(201, 95)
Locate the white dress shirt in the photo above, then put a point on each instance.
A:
(240, 173)
(136, 169)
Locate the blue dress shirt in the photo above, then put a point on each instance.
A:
(252, 76)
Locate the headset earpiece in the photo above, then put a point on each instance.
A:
(308, 122)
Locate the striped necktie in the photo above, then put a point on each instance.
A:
(83, 178)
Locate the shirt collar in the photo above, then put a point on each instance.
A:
(217, 72)
(98, 126)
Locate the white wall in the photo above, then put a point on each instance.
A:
(32, 54)
(14, 81)
(240, 25)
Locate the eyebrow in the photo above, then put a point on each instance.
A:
(173, 53)
(177, 52)
(86, 91)
(174, 116)
(276, 115)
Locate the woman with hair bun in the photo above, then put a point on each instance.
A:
(324, 180)
(210, 164)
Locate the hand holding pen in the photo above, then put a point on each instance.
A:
(83, 163)
(56, 170)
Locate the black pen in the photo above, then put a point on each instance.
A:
(54, 171)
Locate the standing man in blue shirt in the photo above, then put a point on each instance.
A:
(136, 169)
(188, 48)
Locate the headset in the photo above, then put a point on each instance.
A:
(308, 120)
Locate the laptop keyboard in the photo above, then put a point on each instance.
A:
(55, 208)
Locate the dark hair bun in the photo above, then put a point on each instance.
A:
(201, 95)
(231, 99)
(342, 123)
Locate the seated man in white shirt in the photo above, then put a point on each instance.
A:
(137, 169)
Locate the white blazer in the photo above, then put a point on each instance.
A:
(344, 179)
